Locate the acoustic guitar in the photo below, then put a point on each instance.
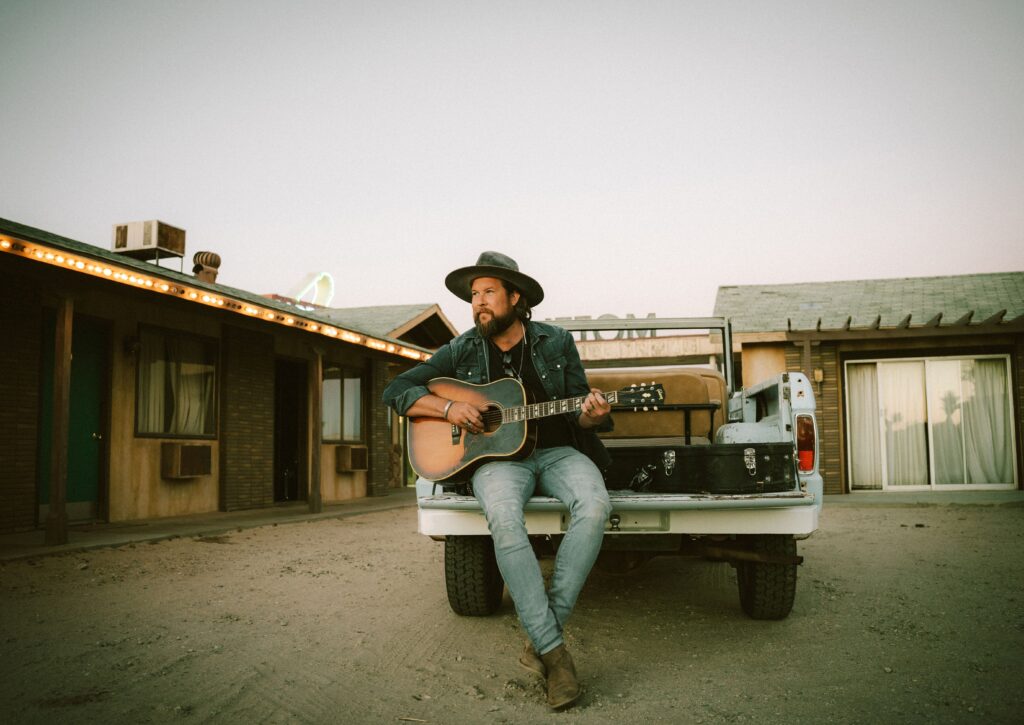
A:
(440, 451)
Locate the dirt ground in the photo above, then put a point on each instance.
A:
(907, 614)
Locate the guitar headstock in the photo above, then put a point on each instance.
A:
(642, 396)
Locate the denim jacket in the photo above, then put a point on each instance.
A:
(554, 355)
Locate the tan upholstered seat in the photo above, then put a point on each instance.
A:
(691, 385)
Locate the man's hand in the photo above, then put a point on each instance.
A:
(467, 416)
(595, 409)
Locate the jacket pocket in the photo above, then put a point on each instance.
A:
(554, 377)
(469, 375)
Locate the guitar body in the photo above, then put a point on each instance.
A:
(440, 451)
(437, 454)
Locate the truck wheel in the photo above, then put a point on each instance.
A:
(767, 590)
(471, 575)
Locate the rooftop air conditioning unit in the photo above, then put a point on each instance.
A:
(148, 240)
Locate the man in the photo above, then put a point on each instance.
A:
(506, 343)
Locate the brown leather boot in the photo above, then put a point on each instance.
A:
(563, 687)
(531, 661)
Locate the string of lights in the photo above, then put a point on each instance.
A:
(84, 265)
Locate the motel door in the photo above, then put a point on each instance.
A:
(86, 429)
(291, 443)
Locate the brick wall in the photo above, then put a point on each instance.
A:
(21, 323)
(380, 475)
(247, 420)
(830, 429)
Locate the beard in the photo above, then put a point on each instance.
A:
(496, 325)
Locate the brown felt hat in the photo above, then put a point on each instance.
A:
(500, 266)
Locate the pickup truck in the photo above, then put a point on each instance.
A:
(715, 474)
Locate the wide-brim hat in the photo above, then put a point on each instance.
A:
(494, 264)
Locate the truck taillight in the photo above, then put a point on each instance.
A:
(805, 443)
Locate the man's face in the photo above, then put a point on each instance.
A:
(493, 305)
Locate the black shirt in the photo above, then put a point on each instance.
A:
(552, 430)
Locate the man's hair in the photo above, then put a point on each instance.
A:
(522, 307)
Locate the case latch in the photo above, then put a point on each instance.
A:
(750, 460)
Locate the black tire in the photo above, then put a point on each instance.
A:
(767, 590)
(471, 576)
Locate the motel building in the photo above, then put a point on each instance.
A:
(135, 391)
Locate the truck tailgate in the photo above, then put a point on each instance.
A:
(779, 513)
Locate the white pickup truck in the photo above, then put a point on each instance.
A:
(712, 474)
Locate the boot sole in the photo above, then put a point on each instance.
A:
(567, 703)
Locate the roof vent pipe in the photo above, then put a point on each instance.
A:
(206, 266)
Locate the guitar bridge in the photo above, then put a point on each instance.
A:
(456, 435)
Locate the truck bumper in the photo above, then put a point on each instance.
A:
(787, 513)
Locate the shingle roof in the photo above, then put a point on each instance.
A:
(860, 303)
(380, 320)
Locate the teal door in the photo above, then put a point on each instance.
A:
(86, 429)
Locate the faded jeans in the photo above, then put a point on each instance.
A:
(503, 488)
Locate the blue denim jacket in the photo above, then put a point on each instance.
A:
(554, 356)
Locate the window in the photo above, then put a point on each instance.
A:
(176, 381)
(342, 405)
(930, 422)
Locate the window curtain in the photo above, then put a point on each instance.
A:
(865, 443)
(352, 418)
(191, 383)
(946, 420)
(330, 406)
(152, 383)
(987, 422)
(902, 393)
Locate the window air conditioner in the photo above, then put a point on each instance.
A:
(148, 240)
(185, 460)
(350, 458)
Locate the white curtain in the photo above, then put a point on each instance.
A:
(946, 417)
(865, 443)
(902, 393)
(152, 381)
(175, 385)
(352, 421)
(987, 422)
(330, 405)
(191, 386)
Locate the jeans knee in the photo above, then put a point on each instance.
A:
(593, 511)
(507, 526)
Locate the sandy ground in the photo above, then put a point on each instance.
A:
(902, 615)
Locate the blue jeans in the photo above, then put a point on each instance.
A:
(503, 488)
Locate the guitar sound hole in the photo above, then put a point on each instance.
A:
(492, 418)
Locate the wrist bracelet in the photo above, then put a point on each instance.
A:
(445, 415)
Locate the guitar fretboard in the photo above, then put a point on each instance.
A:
(552, 407)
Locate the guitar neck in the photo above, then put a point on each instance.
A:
(548, 408)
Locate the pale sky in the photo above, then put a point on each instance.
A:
(632, 156)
